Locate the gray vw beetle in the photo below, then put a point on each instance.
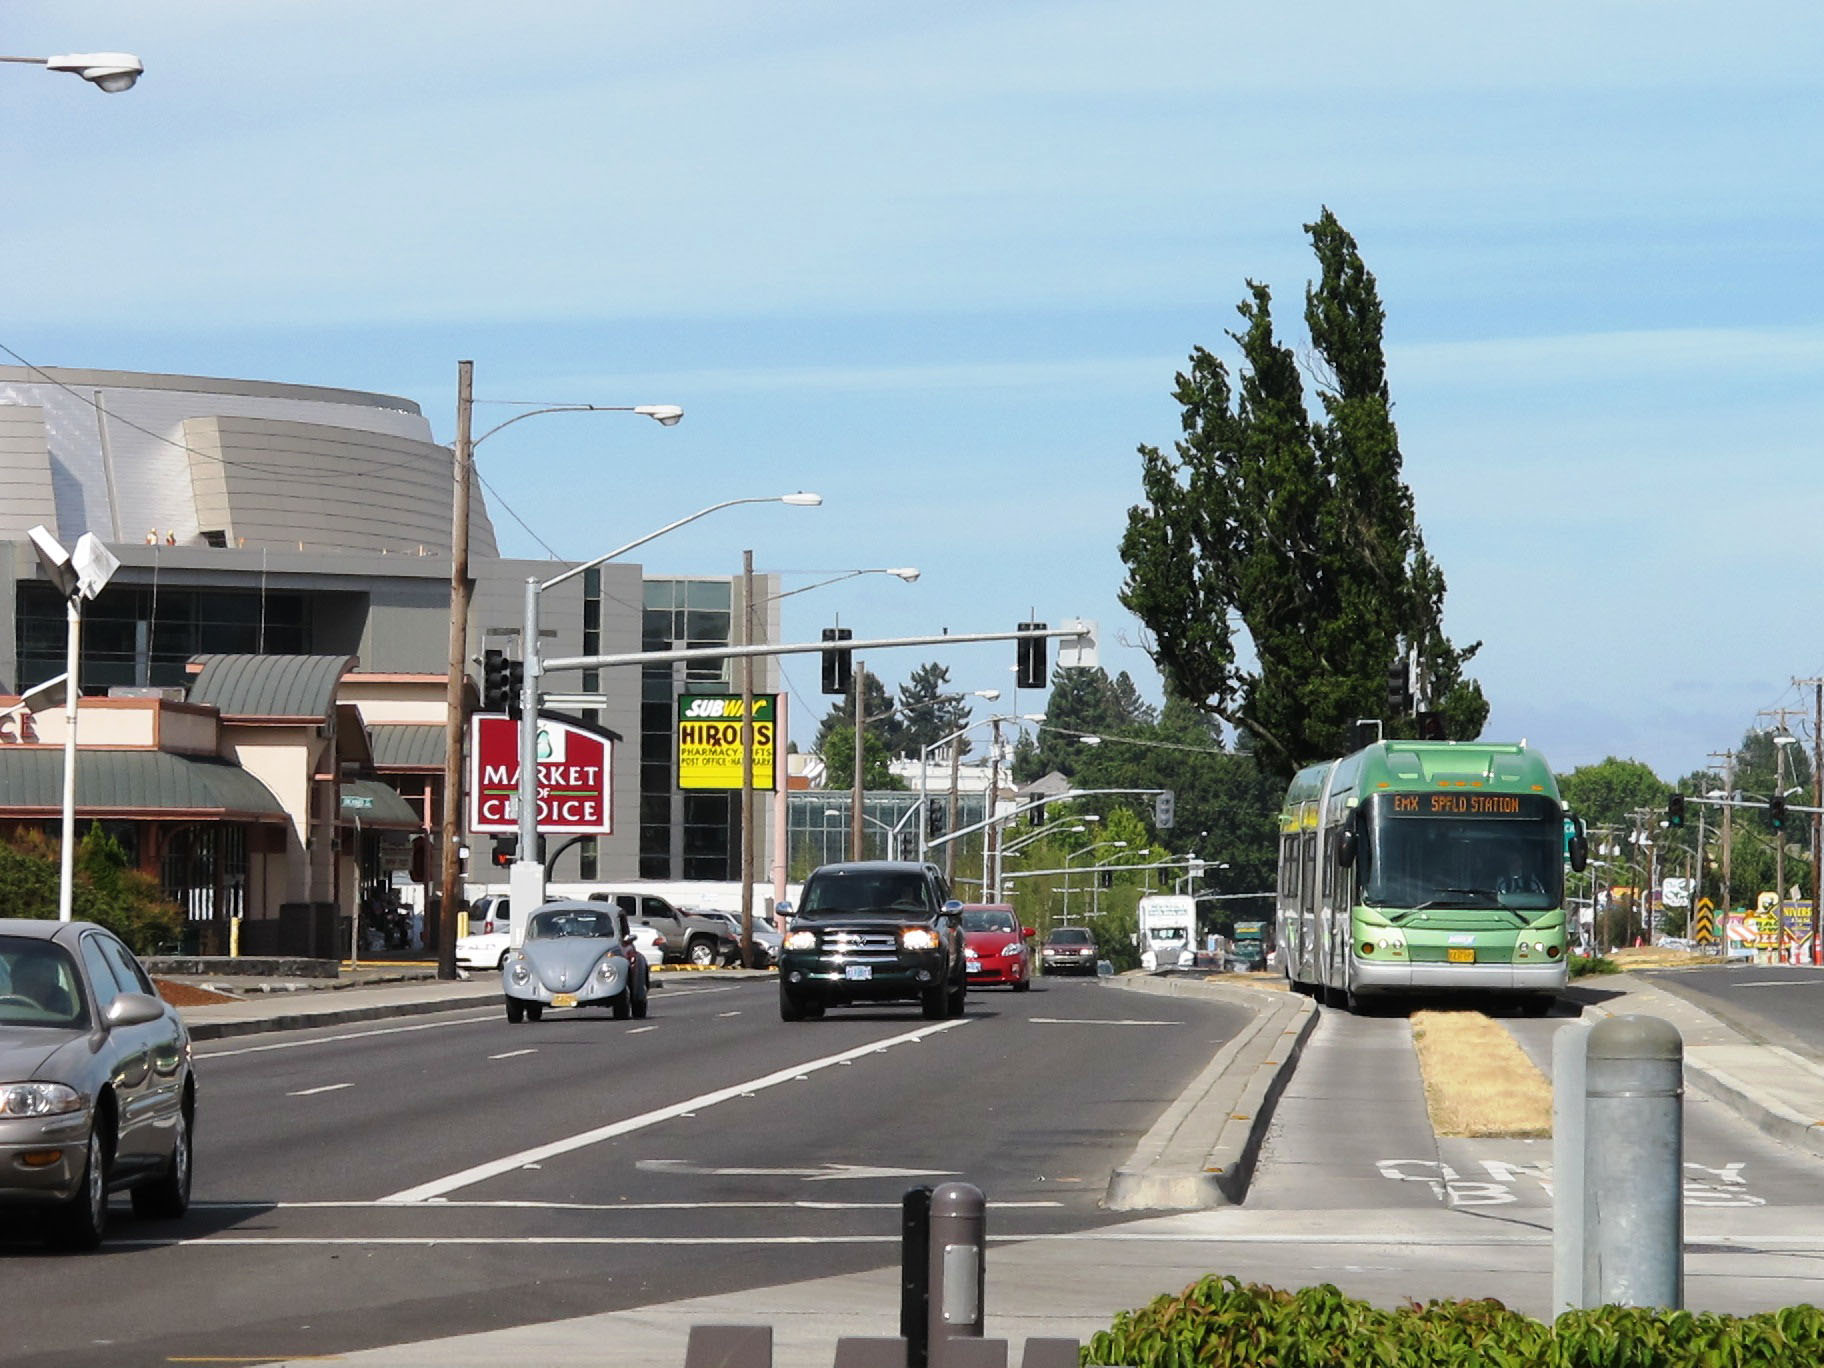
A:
(576, 954)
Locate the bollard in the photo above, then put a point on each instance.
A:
(1570, 1046)
(1634, 1230)
(958, 1233)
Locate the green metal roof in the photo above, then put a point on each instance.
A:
(133, 783)
(414, 746)
(374, 804)
(270, 687)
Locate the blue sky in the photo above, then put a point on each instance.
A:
(940, 263)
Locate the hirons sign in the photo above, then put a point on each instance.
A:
(575, 777)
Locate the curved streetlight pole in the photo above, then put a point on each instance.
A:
(1099, 845)
(462, 589)
(109, 71)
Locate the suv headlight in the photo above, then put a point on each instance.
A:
(38, 1099)
(801, 940)
(918, 938)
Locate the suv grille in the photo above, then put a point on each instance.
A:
(860, 942)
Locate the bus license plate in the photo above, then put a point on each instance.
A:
(858, 971)
(1462, 956)
(569, 999)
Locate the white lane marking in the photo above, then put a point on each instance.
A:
(327, 1087)
(641, 1030)
(1807, 982)
(513, 1054)
(445, 1204)
(728, 1014)
(1095, 1021)
(437, 1187)
(822, 1173)
(348, 1035)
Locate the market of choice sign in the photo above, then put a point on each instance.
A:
(575, 776)
(709, 740)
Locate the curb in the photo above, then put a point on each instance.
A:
(341, 1016)
(1177, 1166)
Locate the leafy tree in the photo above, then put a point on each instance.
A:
(881, 718)
(1606, 795)
(839, 762)
(106, 889)
(1301, 532)
(925, 722)
(1083, 701)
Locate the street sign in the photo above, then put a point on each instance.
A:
(710, 741)
(575, 777)
(1703, 927)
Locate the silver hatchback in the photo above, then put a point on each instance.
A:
(96, 1089)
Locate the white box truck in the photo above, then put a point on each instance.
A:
(1167, 931)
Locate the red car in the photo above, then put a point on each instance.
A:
(998, 947)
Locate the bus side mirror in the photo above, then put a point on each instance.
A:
(1345, 847)
(1580, 852)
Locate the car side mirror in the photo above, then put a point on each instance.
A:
(783, 909)
(132, 1009)
(1029, 931)
(954, 907)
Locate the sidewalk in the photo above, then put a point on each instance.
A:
(1073, 1285)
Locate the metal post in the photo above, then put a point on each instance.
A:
(915, 1273)
(66, 881)
(957, 1272)
(859, 677)
(748, 807)
(950, 814)
(1569, 1046)
(1633, 1232)
(991, 838)
(449, 878)
(526, 880)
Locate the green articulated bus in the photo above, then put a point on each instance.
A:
(1426, 867)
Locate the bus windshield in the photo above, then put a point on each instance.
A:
(1454, 850)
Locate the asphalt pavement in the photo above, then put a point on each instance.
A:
(1197, 1160)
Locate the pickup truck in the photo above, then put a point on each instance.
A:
(689, 939)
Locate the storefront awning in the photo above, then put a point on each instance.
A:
(373, 805)
(143, 784)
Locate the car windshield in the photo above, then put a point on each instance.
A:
(569, 922)
(1167, 933)
(1070, 935)
(834, 892)
(982, 919)
(39, 985)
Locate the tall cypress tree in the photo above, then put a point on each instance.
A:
(1300, 533)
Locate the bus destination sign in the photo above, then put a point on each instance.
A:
(1458, 804)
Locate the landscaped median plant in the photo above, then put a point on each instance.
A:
(1221, 1322)
(1593, 964)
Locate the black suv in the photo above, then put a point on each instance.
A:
(873, 931)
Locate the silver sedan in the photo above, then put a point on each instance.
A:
(576, 954)
(96, 1089)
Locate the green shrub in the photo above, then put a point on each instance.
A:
(106, 889)
(1222, 1323)
(1593, 964)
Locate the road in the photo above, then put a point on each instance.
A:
(376, 1184)
(1782, 1004)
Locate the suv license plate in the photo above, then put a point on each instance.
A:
(858, 971)
(563, 999)
(1462, 956)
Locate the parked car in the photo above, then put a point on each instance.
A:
(689, 938)
(873, 931)
(767, 939)
(576, 954)
(1068, 950)
(997, 948)
(650, 943)
(97, 1092)
(489, 938)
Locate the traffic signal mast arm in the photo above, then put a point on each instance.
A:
(1077, 630)
(1011, 813)
(1748, 803)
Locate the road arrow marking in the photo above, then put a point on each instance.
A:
(823, 1173)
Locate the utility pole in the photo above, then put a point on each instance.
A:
(991, 837)
(1728, 759)
(1779, 788)
(859, 677)
(1817, 800)
(449, 881)
(748, 860)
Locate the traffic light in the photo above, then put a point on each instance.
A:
(1431, 726)
(1399, 689)
(1675, 810)
(1035, 815)
(1165, 809)
(1776, 812)
(516, 683)
(505, 848)
(934, 817)
(496, 681)
(1031, 658)
(837, 671)
(1108, 878)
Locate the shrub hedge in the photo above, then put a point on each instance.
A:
(1222, 1323)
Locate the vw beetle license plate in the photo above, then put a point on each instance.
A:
(858, 971)
(1458, 956)
(563, 999)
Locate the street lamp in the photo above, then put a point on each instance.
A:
(1099, 845)
(111, 71)
(78, 575)
(908, 573)
(462, 587)
(856, 786)
(924, 763)
(526, 879)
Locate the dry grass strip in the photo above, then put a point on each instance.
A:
(1478, 1081)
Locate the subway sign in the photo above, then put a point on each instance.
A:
(710, 730)
(575, 777)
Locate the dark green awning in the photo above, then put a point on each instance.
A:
(133, 783)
